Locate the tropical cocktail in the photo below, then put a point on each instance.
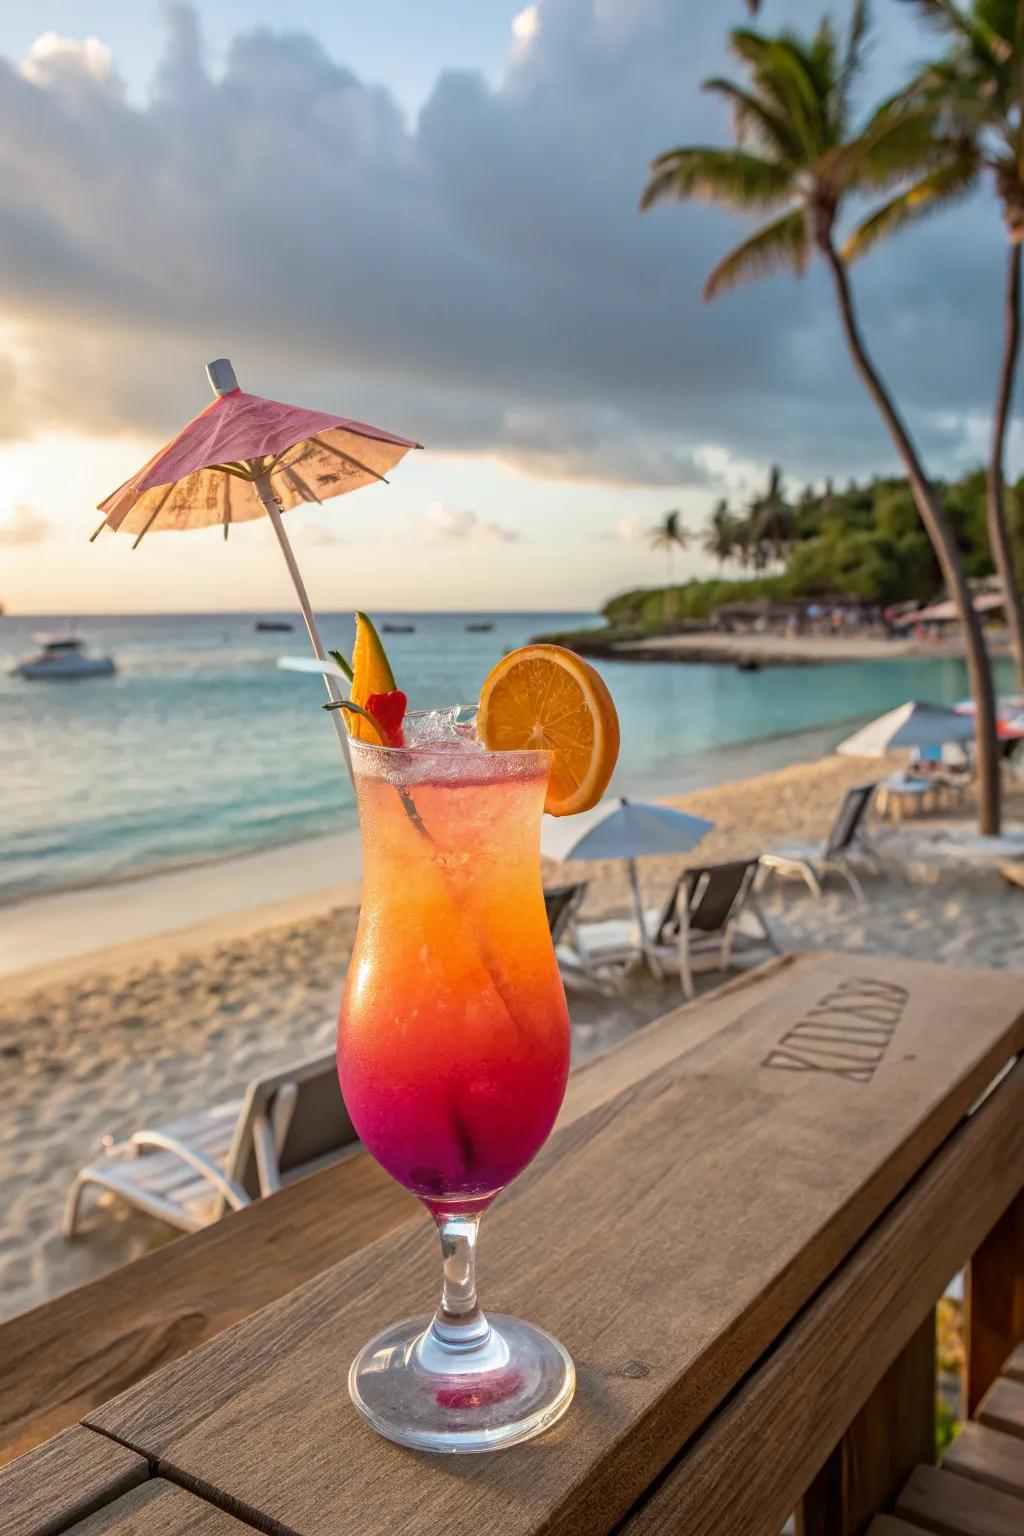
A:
(453, 1043)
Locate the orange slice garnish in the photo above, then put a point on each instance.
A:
(543, 696)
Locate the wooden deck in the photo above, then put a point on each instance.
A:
(739, 1231)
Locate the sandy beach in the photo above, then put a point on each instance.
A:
(159, 1025)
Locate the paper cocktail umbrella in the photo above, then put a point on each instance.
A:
(245, 457)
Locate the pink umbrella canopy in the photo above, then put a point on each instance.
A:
(246, 457)
(206, 474)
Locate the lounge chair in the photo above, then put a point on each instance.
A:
(190, 1173)
(699, 926)
(844, 846)
(592, 956)
(562, 902)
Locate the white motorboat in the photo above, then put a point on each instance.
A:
(63, 656)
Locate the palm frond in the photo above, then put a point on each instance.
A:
(853, 59)
(754, 118)
(944, 15)
(934, 191)
(782, 245)
(729, 176)
(968, 27)
(898, 141)
(803, 83)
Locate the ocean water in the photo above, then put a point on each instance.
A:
(201, 747)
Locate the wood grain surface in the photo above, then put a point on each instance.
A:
(994, 1310)
(77, 1351)
(1002, 1407)
(989, 1457)
(736, 1476)
(65, 1480)
(160, 1508)
(891, 1433)
(940, 1501)
(667, 1237)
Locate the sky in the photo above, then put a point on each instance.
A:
(426, 217)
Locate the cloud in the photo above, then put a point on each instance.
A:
(525, 27)
(24, 527)
(52, 59)
(478, 279)
(444, 522)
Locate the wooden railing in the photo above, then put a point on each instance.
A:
(740, 1231)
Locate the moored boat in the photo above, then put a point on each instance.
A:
(62, 657)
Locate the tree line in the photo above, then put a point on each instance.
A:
(865, 541)
(803, 151)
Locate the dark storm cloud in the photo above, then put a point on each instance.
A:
(480, 279)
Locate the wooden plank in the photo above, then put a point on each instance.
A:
(893, 1431)
(73, 1353)
(1014, 1367)
(989, 1457)
(65, 1480)
(750, 1167)
(888, 1525)
(1002, 1407)
(739, 1475)
(994, 1303)
(940, 1501)
(160, 1509)
(63, 1358)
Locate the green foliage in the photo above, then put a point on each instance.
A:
(946, 1426)
(865, 542)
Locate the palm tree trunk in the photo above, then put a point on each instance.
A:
(998, 534)
(947, 551)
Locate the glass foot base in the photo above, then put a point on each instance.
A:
(419, 1390)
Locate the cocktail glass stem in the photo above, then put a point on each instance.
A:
(458, 1321)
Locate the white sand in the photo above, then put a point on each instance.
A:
(153, 1030)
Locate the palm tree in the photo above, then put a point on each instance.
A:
(669, 535)
(977, 93)
(720, 535)
(799, 153)
(772, 520)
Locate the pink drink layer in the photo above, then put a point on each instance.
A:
(453, 1044)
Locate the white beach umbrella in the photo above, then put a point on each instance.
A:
(623, 829)
(914, 724)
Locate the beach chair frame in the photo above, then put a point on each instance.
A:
(699, 924)
(142, 1169)
(844, 846)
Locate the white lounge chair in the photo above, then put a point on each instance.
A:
(845, 846)
(190, 1173)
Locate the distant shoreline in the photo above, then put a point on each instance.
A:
(755, 651)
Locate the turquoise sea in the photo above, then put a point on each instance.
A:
(200, 747)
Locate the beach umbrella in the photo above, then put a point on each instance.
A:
(914, 724)
(245, 457)
(623, 829)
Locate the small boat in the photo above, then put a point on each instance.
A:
(480, 627)
(62, 657)
(398, 629)
(275, 626)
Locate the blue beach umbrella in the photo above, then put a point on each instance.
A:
(914, 724)
(623, 829)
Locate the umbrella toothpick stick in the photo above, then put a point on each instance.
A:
(265, 492)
